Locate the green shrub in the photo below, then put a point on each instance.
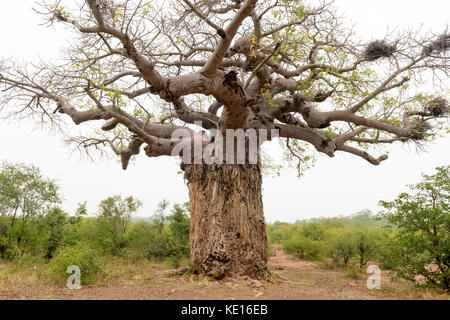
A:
(174, 261)
(314, 231)
(113, 222)
(341, 249)
(421, 221)
(303, 248)
(388, 252)
(353, 271)
(150, 240)
(367, 242)
(179, 227)
(162, 237)
(328, 265)
(9, 250)
(93, 268)
(280, 232)
(25, 195)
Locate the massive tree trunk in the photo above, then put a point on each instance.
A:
(228, 231)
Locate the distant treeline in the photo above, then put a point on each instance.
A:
(345, 242)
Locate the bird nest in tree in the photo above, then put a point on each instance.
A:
(438, 106)
(421, 132)
(378, 49)
(442, 44)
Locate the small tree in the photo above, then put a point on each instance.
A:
(114, 216)
(163, 236)
(303, 247)
(159, 217)
(54, 222)
(314, 231)
(422, 222)
(179, 225)
(366, 243)
(25, 194)
(341, 249)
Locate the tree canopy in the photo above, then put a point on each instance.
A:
(144, 69)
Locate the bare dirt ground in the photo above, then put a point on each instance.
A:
(292, 280)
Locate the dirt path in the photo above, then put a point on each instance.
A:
(293, 279)
(282, 260)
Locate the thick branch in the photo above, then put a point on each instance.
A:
(216, 59)
(363, 154)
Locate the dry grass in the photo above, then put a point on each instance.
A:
(292, 279)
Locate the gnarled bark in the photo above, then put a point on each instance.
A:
(228, 231)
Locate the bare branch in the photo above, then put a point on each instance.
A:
(230, 31)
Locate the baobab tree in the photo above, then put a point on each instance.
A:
(142, 70)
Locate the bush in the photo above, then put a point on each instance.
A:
(388, 252)
(100, 235)
(314, 231)
(164, 236)
(366, 242)
(303, 248)
(280, 232)
(149, 240)
(113, 220)
(9, 250)
(422, 223)
(341, 249)
(93, 268)
(54, 229)
(353, 271)
(179, 228)
(25, 195)
(19, 238)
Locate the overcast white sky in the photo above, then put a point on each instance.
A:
(342, 185)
